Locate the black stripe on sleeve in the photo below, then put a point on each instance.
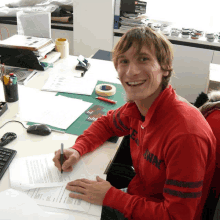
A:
(121, 123)
(184, 184)
(183, 194)
(115, 122)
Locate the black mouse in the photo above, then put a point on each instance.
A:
(39, 129)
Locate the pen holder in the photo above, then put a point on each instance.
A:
(11, 92)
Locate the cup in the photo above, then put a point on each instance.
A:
(10, 88)
(62, 46)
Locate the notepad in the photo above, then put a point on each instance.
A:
(69, 83)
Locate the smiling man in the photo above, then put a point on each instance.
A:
(172, 146)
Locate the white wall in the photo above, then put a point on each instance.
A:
(93, 25)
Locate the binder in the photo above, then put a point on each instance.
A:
(116, 22)
(117, 14)
(20, 58)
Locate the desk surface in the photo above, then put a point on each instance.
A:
(28, 144)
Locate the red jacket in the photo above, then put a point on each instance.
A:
(173, 153)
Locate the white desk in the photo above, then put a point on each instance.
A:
(28, 144)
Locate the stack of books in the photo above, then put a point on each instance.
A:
(39, 46)
(129, 21)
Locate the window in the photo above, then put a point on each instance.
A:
(198, 14)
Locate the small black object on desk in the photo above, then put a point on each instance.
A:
(83, 64)
(20, 58)
(3, 107)
(39, 129)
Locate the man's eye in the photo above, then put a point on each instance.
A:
(123, 61)
(143, 58)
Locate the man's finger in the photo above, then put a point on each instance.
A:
(68, 163)
(99, 179)
(76, 189)
(69, 169)
(77, 196)
(56, 160)
(77, 183)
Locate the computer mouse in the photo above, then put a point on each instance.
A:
(39, 129)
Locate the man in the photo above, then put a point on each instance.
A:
(172, 146)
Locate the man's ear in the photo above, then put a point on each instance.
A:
(165, 73)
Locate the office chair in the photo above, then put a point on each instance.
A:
(121, 171)
(206, 107)
(214, 191)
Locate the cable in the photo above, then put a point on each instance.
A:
(13, 121)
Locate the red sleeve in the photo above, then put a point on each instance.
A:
(113, 124)
(186, 164)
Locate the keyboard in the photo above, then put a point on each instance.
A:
(6, 157)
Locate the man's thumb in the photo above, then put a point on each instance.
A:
(66, 164)
(99, 179)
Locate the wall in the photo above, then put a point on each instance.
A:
(93, 26)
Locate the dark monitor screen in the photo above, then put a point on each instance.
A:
(128, 6)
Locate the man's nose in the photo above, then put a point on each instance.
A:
(133, 69)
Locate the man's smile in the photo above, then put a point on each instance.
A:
(136, 83)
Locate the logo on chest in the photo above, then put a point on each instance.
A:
(133, 136)
(153, 159)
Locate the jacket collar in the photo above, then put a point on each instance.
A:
(162, 101)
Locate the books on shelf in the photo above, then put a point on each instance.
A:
(27, 42)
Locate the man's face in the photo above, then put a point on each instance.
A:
(140, 74)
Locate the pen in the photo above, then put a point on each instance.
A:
(106, 100)
(61, 157)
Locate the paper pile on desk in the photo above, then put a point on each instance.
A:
(43, 107)
(69, 83)
(16, 205)
(37, 177)
(40, 46)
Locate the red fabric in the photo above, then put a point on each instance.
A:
(173, 153)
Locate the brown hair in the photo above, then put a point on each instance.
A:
(144, 36)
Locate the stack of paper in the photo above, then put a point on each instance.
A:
(38, 178)
(16, 205)
(59, 82)
(46, 108)
(40, 46)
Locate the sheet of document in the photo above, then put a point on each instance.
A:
(57, 111)
(16, 205)
(69, 83)
(58, 197)
(39, 171)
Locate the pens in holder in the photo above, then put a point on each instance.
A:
(106, 100)
(61, 157)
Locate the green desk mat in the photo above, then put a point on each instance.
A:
(79, 125)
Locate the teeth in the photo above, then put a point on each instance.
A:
(136, 83)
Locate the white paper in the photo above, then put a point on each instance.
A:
(57, 111)
(15, 205)
(39, 171)
(57, 197)
(69, 83)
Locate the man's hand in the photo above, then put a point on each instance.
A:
(92, 191)
(71, 157)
